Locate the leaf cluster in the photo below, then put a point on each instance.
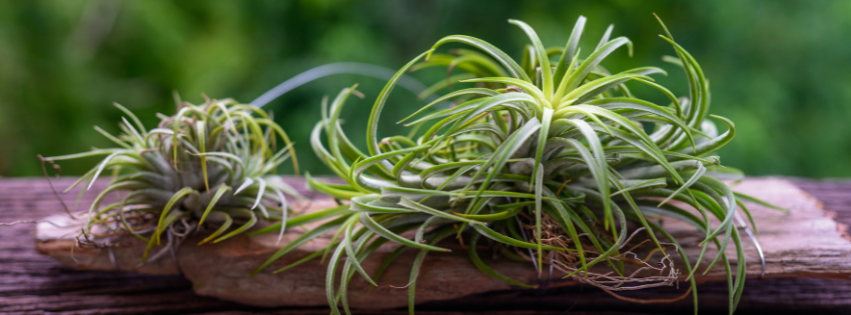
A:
(556, 137)
(207, 164)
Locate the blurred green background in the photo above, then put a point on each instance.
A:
(779, 69)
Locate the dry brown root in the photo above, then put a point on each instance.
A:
(111, 232)
(643, 273)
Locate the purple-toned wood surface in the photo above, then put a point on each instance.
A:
(32, 283)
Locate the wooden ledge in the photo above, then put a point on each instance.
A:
(804, 243)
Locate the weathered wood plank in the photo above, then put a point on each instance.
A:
(28, 277)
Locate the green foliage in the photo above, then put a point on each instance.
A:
(208, 163)
(775, 65)
(553, 146)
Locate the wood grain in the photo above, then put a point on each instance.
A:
(31, 283)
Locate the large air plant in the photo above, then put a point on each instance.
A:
(549, 160)
(205, 167)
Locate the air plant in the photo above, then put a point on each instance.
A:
(548, 160)
(204, 168)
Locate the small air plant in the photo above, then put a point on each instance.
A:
(547, 160)
(207, 166)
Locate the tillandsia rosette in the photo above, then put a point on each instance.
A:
(547, 159)
(208, 167)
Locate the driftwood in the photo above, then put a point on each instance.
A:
(804, 243)
(31, 283)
